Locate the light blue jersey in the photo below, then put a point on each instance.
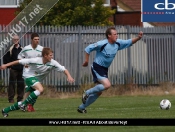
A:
(105, 52)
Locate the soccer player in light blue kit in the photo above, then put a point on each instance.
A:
(105, 52)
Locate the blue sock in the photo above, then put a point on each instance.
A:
(89, 100)
(98, 88)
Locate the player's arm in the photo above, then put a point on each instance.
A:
(86, 59)
(61, 68)
(134, 40)
(88, 50)
(69, 77)
(127, 43)
(4, 66)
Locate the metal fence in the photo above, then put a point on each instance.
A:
(150, 61)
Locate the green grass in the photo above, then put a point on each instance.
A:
(104, 107)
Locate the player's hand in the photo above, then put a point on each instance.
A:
(3, 67)
(85, 64)
(140, 34)
(70, 79)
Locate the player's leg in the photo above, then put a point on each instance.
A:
(29, 90)
(13, 107)
(34, 83)
(33, 95)
(16, 106)
(91, 99)
(31, 82)
(100, 75)
(30, 107)
(91, 95)
(26, 94)
(105, 84)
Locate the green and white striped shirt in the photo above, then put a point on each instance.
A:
(29, 52)
(38, 69)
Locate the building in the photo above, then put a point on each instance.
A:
(129, 9)
(127, 12)
(7, 11)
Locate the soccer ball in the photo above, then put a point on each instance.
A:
(165, 104)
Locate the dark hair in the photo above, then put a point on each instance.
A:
(34, 35)
(108, 31)
(46, 51)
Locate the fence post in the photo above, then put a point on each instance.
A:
(173, 70)
(129, 76)
(77, 79)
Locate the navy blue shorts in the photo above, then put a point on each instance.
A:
(99, 72)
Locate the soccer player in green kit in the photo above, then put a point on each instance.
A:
(40, 67)
(31, 51)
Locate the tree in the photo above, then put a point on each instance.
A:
(75, 12)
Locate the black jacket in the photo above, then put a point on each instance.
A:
(12, 55)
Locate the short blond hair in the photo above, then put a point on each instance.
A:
(46, 51)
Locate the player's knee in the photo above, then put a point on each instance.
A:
(108, 85)
(40, 89)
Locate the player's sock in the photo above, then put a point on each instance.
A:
(32, 97)
(34, 101)
(90, 100)
(98, 88)
(12, 107)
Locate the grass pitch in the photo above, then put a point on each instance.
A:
(104, 107)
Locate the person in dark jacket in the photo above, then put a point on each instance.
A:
(15, 77)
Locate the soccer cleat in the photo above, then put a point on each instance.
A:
(4, 114)
(22, 107)
(30, 108)
(84, 97)
(82, 111)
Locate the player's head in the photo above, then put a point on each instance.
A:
(33, 35)
(35, 39)
(111, 34)
(47, 53)
(15, 39)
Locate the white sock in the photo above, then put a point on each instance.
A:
(37, 92)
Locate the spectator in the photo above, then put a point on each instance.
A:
(15, 71)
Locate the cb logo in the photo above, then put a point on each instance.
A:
(165, 6)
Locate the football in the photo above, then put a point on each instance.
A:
(165, 104)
